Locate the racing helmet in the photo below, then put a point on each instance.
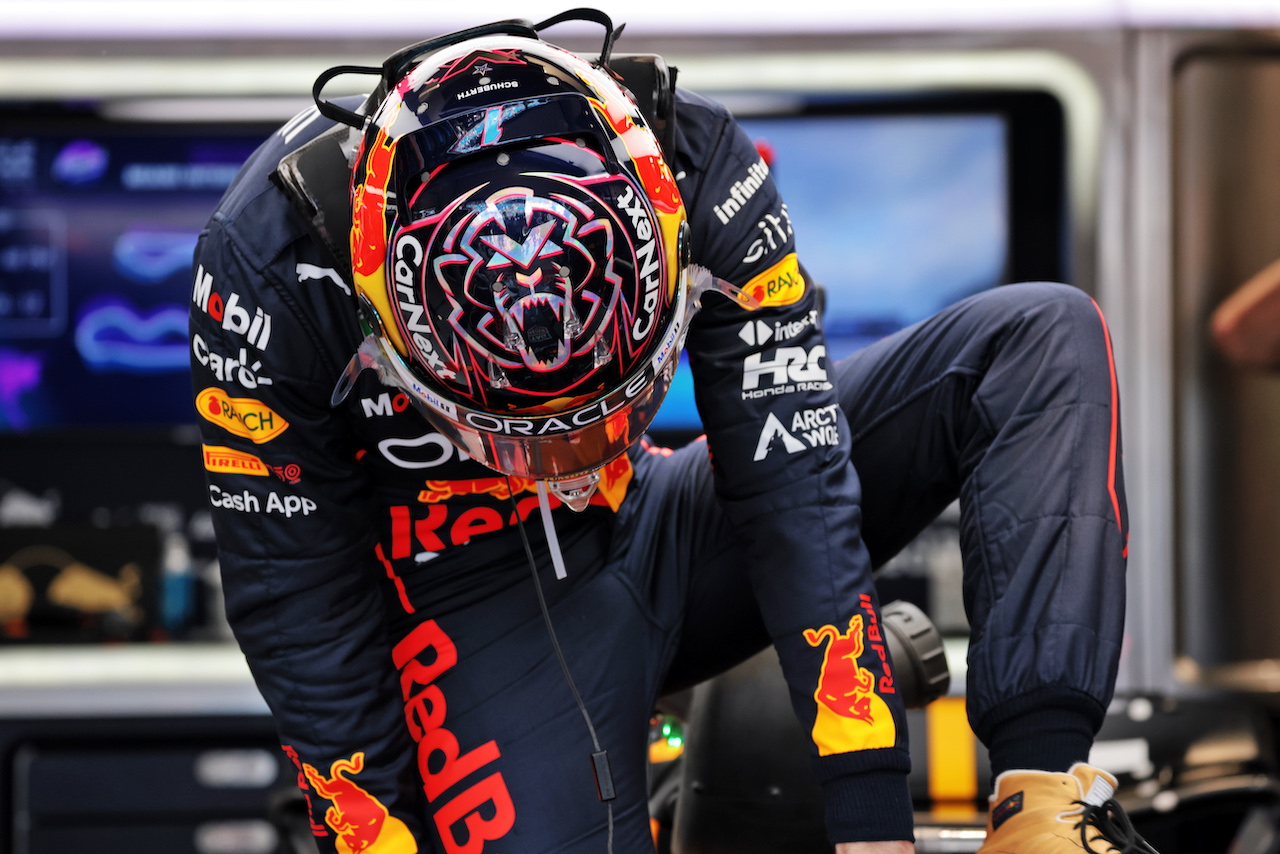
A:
(519, 249)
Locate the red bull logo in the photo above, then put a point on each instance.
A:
(851, 715)
(483, 812)
(442, 490)
(660, 183)
(446, 525)
(368, 229)
(614, 479)
(360, 821)
(368, 225)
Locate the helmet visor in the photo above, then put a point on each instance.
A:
(562, 444)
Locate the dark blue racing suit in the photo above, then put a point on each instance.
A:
(376, 581)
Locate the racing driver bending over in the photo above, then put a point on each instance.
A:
(524, 264)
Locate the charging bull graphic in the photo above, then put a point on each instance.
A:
(851, 715)
(74, 585)
(614, 479)
(16, 595)
(499, 487)
(362, 823)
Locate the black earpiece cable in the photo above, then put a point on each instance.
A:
(600, 757)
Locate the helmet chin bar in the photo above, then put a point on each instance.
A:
(575, 492)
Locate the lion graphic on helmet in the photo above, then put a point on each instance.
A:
(530, 278)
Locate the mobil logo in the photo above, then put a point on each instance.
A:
(234, 317)
(384, 404)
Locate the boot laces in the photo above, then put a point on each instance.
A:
(1113, 827)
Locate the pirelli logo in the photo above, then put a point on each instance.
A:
(223, 460)
(781, 284)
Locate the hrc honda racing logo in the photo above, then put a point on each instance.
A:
(790, 370)
(851, 713)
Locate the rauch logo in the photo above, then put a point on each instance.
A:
(240, 416)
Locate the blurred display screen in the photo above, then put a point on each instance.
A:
(97, 230)
(896, 215)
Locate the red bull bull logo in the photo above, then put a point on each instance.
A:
(614, 479)
(442, 490)
(316, 829)
(368, 225)
(446, 524)
(368, 231)
(657, 178)
(359, 820)
(851, 715)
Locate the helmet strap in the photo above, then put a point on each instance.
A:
(553, 542)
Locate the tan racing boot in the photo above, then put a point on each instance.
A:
(1040, 812)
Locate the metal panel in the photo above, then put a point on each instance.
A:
(1226, 181)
